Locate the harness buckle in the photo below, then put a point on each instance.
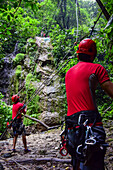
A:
(80, 117)
(90, 141)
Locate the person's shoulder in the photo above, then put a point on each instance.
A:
(98, 65)
(70, 69)
(20, 104)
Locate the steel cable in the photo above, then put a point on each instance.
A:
(77, 21)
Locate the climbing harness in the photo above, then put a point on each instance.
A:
(80, 135)
(18, 127)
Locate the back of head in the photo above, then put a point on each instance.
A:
(15, 98)
(87, 50)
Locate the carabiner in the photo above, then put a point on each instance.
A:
(78, 148)
(90, 141)
(63, 151)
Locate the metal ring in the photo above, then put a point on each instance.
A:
(90, 141)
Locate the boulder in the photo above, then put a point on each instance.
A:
(50, 118)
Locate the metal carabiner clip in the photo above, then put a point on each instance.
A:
(78, 149)
(90, 141)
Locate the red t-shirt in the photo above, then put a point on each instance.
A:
(78, 92)
(16, 107)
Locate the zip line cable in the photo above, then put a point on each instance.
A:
(46, 81)
(94, 25)
(42, 85)
(77, 20)
(38, 90)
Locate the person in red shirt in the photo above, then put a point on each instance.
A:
(81, 82)
(18, 127)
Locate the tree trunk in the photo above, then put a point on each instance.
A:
(41, 160)
(43, 124)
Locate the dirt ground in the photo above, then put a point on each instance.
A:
(45, 145)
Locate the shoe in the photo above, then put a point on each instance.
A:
(14, 150)
(27, 150)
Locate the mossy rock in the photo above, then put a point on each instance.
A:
(18, 71)
(19, 57)
(31, 40)
(29, 79)
(31, 46)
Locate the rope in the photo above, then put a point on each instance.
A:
(77, 21)
(94, 25)
(46, 81)
(38, 90)
(49, 80)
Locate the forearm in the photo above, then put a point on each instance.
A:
(108, 88)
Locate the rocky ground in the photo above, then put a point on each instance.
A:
(45, 145)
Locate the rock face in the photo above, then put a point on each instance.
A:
(6, 72)
(51, 96)
(50, 118)
(37, 72)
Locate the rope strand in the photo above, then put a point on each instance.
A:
(77, 21)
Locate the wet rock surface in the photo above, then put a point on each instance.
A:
(45, 145)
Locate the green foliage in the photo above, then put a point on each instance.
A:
(31, 47)
(63, 42)
(29, 79)
(18, 71)
(1, 61)
(19, 57)
(23, 20)
(33, 108)
(5, 114)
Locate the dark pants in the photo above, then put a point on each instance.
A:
(18, 127)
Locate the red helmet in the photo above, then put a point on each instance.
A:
(88, 46)
(15, 98)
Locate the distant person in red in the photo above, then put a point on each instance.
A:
(18, 127)
(85, 132)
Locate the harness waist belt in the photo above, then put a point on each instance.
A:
(92, 116)
(90, 124)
